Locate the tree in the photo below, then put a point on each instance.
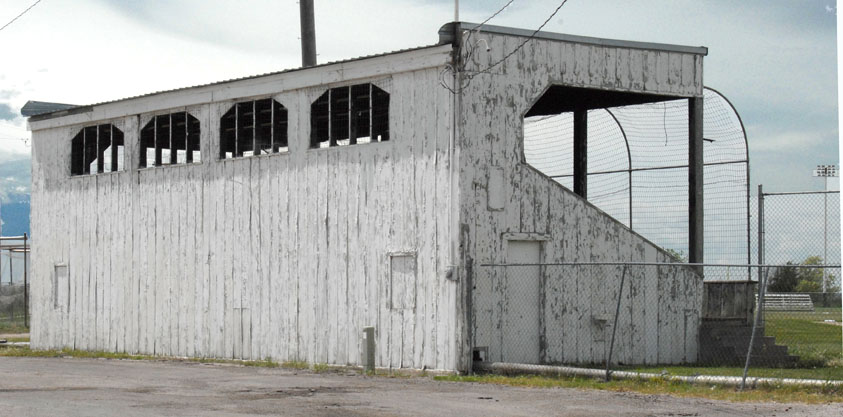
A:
(795, 279)
(784, 279)
(677, 254)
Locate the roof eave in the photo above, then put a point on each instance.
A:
(446, 35)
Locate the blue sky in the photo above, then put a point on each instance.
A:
(776, 60)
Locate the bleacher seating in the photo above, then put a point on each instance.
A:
(788, 302)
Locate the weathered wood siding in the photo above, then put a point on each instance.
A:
(730, 300)
(505, 199)
(286, 256)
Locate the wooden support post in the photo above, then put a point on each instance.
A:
(581, 152)
(695, 180)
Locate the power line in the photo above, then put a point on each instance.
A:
(22, 13)
(469, 77)
(533, 35)
(467, 42)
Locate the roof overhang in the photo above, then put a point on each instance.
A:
(447, 31)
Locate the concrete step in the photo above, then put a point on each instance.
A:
(726, 344)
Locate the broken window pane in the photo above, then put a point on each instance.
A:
(350, 115)
(253, 127)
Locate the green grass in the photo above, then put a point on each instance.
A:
(24, 351)
(15, 326)
(295, 365)
(811, 395)
(822, 373)
(16, 339)
(804, 333)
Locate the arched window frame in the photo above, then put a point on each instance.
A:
(89, 146)
(171, 132)
(349, 115)
(238, 136)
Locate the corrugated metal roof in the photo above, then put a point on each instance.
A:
(445, 37)
(33, 108)
(70, 110)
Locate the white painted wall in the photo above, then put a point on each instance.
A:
(289, 256)
(284, 256)
(504, 199)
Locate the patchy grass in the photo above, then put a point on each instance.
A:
(807, 336)
(321, 368)
(22, 351)
(295, 365)
(824, 373)
(810, 395)
(15, 326)
(16, 339)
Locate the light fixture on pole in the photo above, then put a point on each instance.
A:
(825, 171)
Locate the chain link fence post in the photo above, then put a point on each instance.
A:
(615, 325)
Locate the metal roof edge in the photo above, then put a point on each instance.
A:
(89, 107)
(446, 36)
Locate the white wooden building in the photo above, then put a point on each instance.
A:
(275, 216)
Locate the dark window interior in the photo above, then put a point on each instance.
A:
(256, 127)
(170, 139)
(349, 115)
(96, 149)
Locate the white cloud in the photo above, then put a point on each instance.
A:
(775, 60)
(764, 139)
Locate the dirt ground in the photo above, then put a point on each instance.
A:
(91, 387)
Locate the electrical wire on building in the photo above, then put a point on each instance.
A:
(470, 48)
(22, 13)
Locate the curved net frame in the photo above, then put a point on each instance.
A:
(638, 170)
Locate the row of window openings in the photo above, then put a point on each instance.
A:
(341, 116)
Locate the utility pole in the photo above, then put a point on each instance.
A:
(308, 33)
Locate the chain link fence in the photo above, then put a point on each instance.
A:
(13, 308)
(14, 284)
(638, 170)
(656, 318)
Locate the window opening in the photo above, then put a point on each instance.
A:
(349, 115)
(96, 150)
(253, 128)
(170, 139)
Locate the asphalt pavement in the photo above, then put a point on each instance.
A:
(100, 387)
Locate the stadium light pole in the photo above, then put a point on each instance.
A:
(825, 171)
